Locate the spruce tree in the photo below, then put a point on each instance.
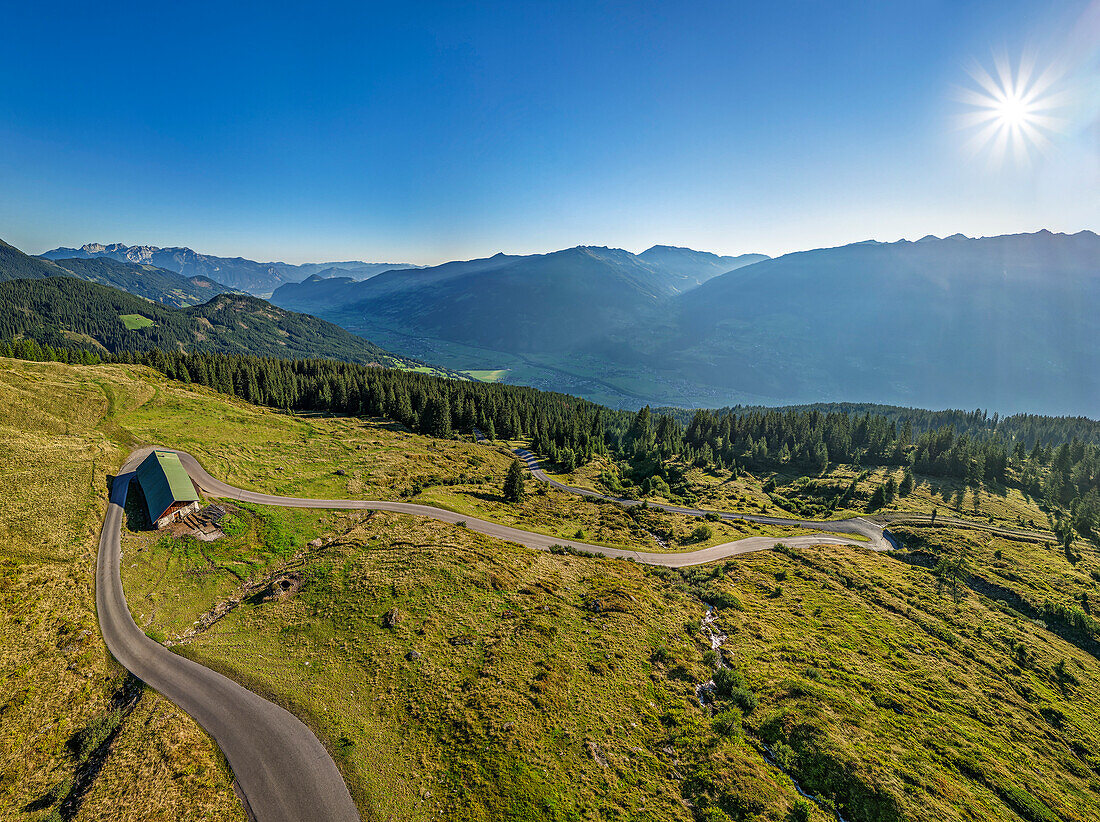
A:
(513, 483)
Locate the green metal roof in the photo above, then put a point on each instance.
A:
(164, 481)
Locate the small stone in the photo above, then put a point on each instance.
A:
(340, 472)
(391, 618)
(412, 656)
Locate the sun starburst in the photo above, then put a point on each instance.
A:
(1011, 113)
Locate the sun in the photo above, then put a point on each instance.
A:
(1011, 113)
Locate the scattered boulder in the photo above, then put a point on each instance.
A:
(391, 618)
(315, 543)
(340, 472)
(412, 656)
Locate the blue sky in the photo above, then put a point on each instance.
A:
(425, 132)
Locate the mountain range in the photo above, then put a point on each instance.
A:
(1002, 322)
(236, 272)
(148, 281)
(518, 304)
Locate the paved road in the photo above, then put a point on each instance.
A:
(877, 537)
(281, 769)
(874, 533)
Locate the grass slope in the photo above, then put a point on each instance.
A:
(453, 676)
(72, 739)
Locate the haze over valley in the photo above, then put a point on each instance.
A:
(937, 323)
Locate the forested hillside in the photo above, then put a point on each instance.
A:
(1046, 459)
(537, 303)
(146, 281)
(997, 322)
(15, 265)
(66, 312)
(1029, 428)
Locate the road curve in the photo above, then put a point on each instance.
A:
(873, 534)
(877, 537)
(282, 771)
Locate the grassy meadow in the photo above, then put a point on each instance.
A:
(457, 677)
(78, 739)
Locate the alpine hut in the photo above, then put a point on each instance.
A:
(169, 492)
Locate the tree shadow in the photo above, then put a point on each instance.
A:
(484, 496)
(89, 748)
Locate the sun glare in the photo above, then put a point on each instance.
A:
(1011, 113)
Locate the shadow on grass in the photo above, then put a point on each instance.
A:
(89, 748)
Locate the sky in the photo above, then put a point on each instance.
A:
(421, 132)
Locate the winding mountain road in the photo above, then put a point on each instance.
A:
(282, 771)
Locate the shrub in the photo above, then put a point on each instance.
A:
(702, 533)
(233, 526)
(720, 599)
(800, 811)
(744, 699)
(663, 655)
(726, 679)
(96, 732)
(729, 684)
(727, 723)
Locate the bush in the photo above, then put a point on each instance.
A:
(662, 655)
(800, 811)
(728, 723)
(702, 533)
(744, 699)
(233, 526)
(97, 732)
(729, 684)
(720, 599)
